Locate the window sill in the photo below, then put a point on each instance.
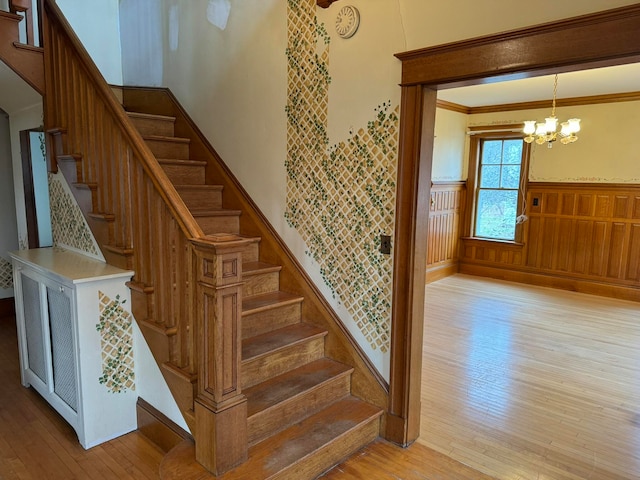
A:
(493, 240)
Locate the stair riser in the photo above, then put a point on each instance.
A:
(332, 453)
(269, 320)
(121, 261)
(102, 229)
(152, 126)
(294, 410)
(201, 199)
(183, 391)
(169, 149)
(142, 304)
(157, 341)
(185, 175)
(261, 283)
(268, 366)
(219, 224)
(251, 253)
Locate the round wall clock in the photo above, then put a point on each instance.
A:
(347, 21)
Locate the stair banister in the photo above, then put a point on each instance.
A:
(175, 266)
(24, 9)
(164, 187)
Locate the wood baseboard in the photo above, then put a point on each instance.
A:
(440, 271)
(158, 428)
(7, 308)
(545, 280)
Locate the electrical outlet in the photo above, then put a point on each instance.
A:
(535, 201)
(385, 244)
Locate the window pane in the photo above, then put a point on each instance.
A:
(496, 214)
(491, 151)
(510, 176)
(490, 176)
(512, 151)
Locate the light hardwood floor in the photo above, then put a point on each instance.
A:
(37, 444)
(523, 382)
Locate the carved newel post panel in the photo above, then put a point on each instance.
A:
(220, 407)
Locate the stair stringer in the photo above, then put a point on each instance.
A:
(26, 60)
(367, 384)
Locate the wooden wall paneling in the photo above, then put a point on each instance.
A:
(633, 262)
(580, 231)
(444, 232)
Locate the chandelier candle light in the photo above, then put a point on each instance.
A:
(547, 131)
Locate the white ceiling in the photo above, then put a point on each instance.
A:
(600, 81)
(15, 93)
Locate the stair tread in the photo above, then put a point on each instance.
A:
(151, 116)
(10, 16)
(219, 212)
(164, 138)
(182, 161)
(198, 187)
(267, 343)
(290, 384)
(262, 302)
(299, 441)
(256, 268)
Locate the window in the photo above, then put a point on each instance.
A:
(498, 169)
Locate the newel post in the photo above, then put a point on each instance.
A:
(220, 407)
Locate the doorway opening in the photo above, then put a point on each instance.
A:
(36, 188)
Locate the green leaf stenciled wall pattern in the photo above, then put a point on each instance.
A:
(341, 197)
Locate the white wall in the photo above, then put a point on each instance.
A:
(608, 158)
(450, 159)
(97, 24)
(141, 42)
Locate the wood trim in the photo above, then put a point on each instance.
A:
(412, 213)
(453, 107)
(601, 39)
(159, 428)
(7, 307)
(325, 3)
(441, 270)
(561, 102)
(553, 281)
(446, 209)
(29, 190)
(449, 183)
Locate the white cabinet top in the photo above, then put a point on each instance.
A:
(72, 266)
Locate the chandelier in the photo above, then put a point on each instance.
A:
(547, 131)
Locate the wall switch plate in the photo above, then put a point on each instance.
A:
(385, 244)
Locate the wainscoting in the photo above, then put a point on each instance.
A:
(583, 237)
(447, 203)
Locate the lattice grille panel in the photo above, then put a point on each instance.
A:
(68, 226)
(339, 198)
(33, 327)
(116, 333)
(62, 349)
(6, 274)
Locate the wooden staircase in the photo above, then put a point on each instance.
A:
(266, 376)
(301, 416)
(26, 59)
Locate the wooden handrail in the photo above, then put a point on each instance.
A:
(163, 185)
